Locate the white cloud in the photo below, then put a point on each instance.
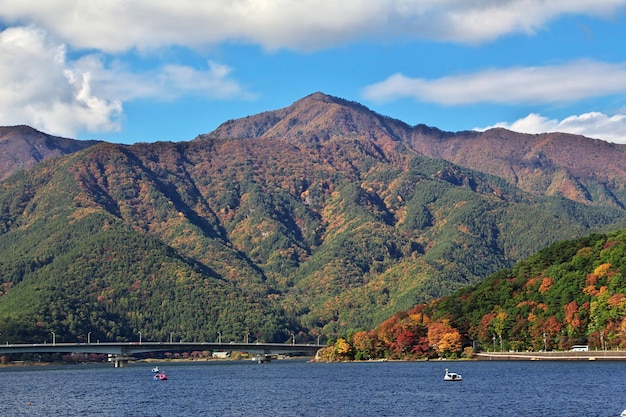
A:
(167, 82)
(40, 87)
(119, 25)
(548, 84)
(594, 125)
(215, 82)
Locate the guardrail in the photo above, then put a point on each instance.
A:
(130, 348)
(610, 355)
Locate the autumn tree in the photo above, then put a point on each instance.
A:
(499, 322)
(444, 339)
(545, 333)
(343, 350)
(364, 344)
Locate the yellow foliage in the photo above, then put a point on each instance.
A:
(602, 270)
(502, 315)
(342, 348)
(416, 318)
(362, 341)
(450, 342)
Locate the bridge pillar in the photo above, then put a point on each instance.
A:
(120, 361)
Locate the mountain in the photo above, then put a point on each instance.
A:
(319, 218)
(570, 293)
(21, 147)
(558, 164)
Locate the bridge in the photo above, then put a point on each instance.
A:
(121, 352)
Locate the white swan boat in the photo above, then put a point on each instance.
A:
(451, 376)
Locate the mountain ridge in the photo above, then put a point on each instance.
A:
(320, 218)
(573, 166)
(22, 147)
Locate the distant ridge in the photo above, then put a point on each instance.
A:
(21, 147)
(585, 170)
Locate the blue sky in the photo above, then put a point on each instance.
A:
(136, 70)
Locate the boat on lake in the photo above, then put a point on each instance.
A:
(452, 376)
(160, 376)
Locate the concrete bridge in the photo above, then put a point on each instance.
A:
(121, 352)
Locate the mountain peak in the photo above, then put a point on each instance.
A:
(320, 97)
(317, 116)
(28, 146)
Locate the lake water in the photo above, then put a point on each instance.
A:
(298, 388)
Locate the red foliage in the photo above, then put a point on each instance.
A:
(484, 328)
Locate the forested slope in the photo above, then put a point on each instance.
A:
(570, 293)
(328, 230)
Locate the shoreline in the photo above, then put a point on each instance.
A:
(599, 355)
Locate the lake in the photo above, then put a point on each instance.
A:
(299, 388)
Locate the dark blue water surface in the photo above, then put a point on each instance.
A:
(299, 388)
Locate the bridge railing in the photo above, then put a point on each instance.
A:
(145, 347)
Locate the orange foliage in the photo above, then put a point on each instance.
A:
(571, 310)
(419, 318)
(484, 328)
(362, 341)
(546, 284)
(552, 326)
(591, 279)
(571, 315)
(449, 342)
(549, 327)
(590, 290)
(616, 300)
(417, 315)
(530, 283)
(444, 338)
